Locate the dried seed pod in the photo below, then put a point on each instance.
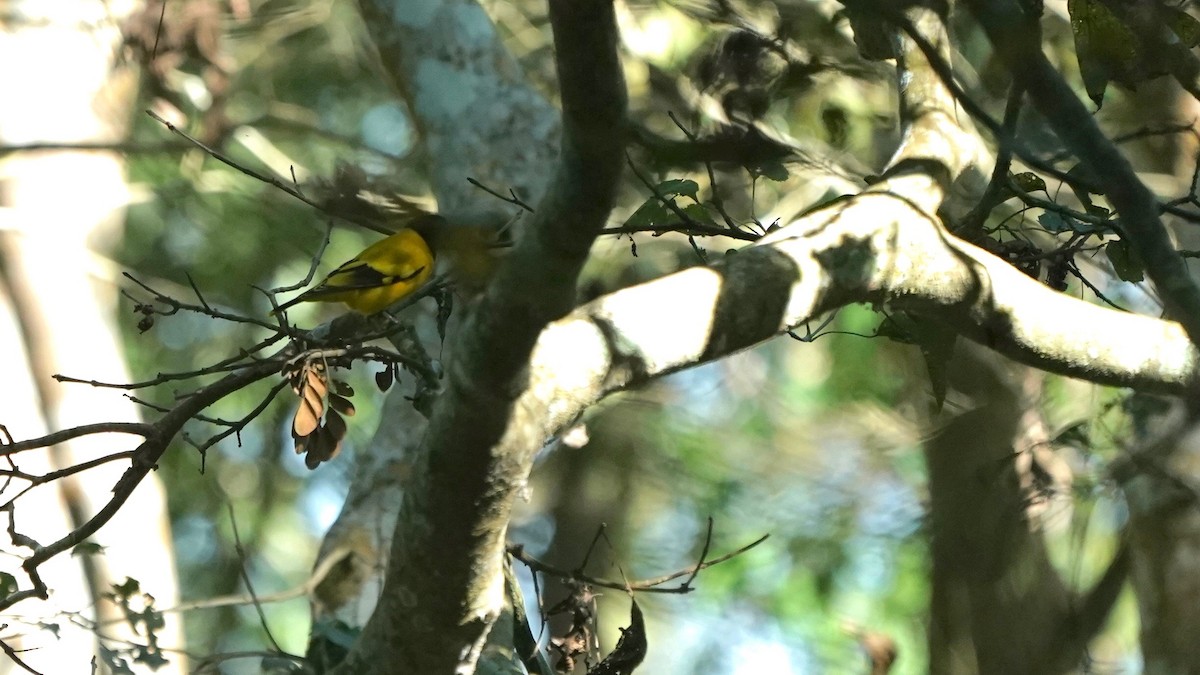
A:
(342, 405)
(342, 388)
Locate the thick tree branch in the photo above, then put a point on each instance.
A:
(876, 248)
(1008, 29)
(448, 546)
(884, 245)
(477, 116)
(479, 120)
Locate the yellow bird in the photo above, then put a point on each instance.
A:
(385, 272)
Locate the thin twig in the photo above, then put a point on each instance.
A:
(670, 204)
(717, 202)
(703, 554)
(273, 182)
(312, 268)
(239, 425)
(237, 542)
(199, 295)
(132, 428)
(12, 654)
(511, 199)
(517, 551)
(217, 155)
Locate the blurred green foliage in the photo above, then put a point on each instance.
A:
(814, 443)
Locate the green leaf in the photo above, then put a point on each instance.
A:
(1109, 51)
(776, 171)
(700, 213)
(1029, 181)
(8, 585)
(1125, 261)
(649, 214)
(1105, 47)
(678, 186)
(936, 341)
(1053, 221)
(127, 589)
(1185, 25)
(87, 548)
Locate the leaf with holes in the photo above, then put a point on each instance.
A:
(678, 186)
(1105, 47)
(701, 213)
(1185, 25)
(1029, 181)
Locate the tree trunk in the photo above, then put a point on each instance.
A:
(477, 109)
(998, 605)
(1164, 535)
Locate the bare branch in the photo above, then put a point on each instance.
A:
(145, 459)
(273, 182)
(12, 654)
(643, 586)
(134, 428)
(241, 553)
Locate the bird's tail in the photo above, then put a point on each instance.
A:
(288, 305)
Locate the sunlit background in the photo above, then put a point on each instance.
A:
(814, 441)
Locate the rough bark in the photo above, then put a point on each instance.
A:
(1018, 43)
(479, 118)
(883, 245)
(448, 549)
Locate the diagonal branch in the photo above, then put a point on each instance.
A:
(1019, 47)
(158, 437)
(884, 245)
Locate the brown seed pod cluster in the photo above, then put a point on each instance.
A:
(319, 426)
